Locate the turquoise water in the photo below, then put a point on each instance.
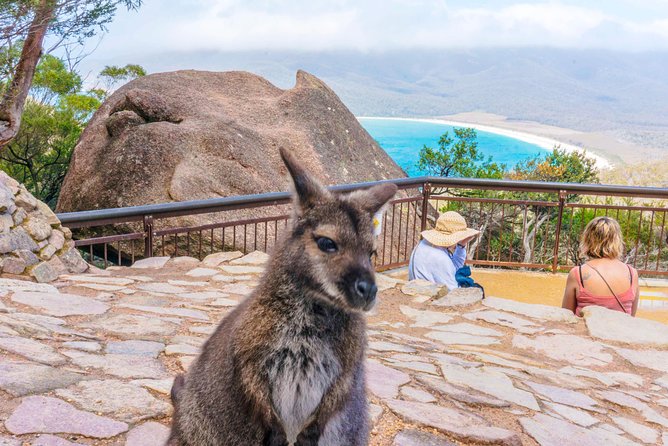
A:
(402, 140)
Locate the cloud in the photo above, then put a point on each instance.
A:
(239, 25)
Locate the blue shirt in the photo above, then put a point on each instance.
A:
(436, 264)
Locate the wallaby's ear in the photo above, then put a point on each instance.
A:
(309, 191)
(375, 197)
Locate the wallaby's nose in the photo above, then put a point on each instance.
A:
(365, 289)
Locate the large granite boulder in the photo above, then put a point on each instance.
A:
(189, 135)
(33, 243)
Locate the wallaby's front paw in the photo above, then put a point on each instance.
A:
(275, 437)
(309, 436)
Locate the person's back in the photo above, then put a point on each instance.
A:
(603, 280)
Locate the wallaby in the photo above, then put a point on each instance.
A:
(286, 367)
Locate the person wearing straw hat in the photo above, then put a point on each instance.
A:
(442, 251)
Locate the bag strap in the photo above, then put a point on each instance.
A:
(610, 288)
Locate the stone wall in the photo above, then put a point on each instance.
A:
(33, 243)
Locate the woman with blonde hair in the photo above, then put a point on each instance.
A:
(604, 280)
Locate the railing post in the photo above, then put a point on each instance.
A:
(148, 236)
(426, 190)
(555, 259)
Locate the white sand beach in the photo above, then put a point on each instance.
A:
(543, 142)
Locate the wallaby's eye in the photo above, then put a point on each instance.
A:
(326, 244)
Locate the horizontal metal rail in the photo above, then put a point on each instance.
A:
(539, 230)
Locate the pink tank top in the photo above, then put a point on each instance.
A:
(585, 298)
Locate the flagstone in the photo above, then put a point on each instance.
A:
(133, 326)
(151, 262)
(577, 416)
(51, 440)
(161, 287)
(460, 297)
(181, 349)
(517, 323)
(123, 366)
(414, 437)
(629, 401)
(415, 394)
(180, 312)
(217, 258)
(25, 285)
(651, 359)
(461, 338)
(537, 311)
(148, 434)
(163, 386)
(135, 347)
(241, 269)
(117, 399)
(90, 278)
(643, 433)
(253, 258)
(564, 396)
(237, 288)
(58, 304)
(31, 349)
(420, 287)
(616, 326)
(425, 318)
(464, 426)
(202, 272)
(40, 414)
(384, 381)
(461, 394)
(20, 378)
(550, 431)
(568, 348)
(383, 346)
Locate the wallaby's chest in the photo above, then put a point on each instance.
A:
(301, 370)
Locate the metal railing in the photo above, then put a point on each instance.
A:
(523, 224)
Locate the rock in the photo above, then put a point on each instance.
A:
(73, 261)
(414, 437)
(223, 302)
(254, 258)
(186, 361)
(187, 283)
(28, 257)
(425, 318)
(9, 441)
(460, 297)
(464, 426)
(382, 346)
(23, 378)
(163, 386)
(490, 382)
(385, 282)
(119, 400)
(237, 288)
(572, 414)
(569, 348)
(30, 349)
(47, 252)
(662, 381)
(415, 394)
(651, 359)
(454, 338)
(51, 440)
(461, 394)
(57, 304)
(25, 199)
(38, 228)
(419, 287)
(87, 346)
(383, 381)
(140, 348)
(15, 240)
(181, 312)
(213, 260)
(90, 278)
(416, 366)
(643, 433)
(148, 434)
(507, 320)
(123, 366)
(202, 272)
(611, 325)
(537, 311)
(129, 326)
(13, 265)
(242, 269)
(184, 261)
(39, 414)
(626, 400)
(151, 262)
(468, 329)
(240, 122)
(44, 272)
(549, 431)
(19, 216)
(57, 239)
(24, 285)
(181, 349)
(564, 396)
(163, 288)
(202, 295)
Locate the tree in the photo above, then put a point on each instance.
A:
(55, 114)
(460, 158)
(113, 75)
(24, 24)
(556, 166)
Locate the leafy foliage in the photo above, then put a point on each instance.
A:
(459, 158)
(112, 75)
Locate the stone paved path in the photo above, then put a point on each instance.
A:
(90, 360)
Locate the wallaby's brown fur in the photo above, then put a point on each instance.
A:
(286, 367)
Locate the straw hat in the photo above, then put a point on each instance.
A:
(450, 229)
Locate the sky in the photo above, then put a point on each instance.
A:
(169, 26)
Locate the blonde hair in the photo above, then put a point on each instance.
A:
(602, 239)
